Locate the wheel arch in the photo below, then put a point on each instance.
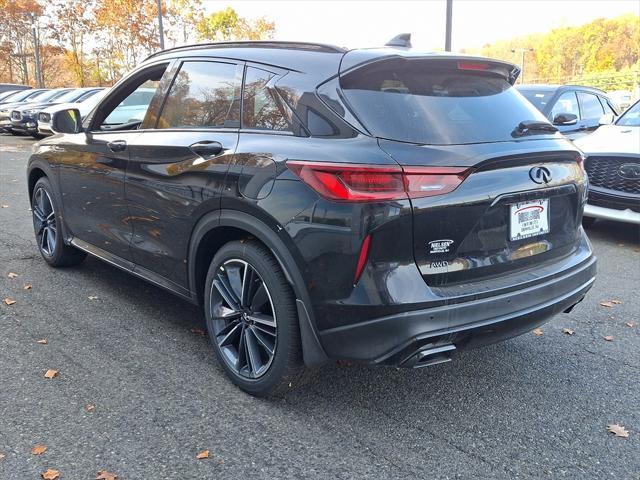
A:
(217, 228)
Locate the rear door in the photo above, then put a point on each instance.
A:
(178, 165)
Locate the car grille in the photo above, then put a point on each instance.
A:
(15, 115)
(44, 117)
(604, 172)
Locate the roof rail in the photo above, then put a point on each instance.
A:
(318, 47)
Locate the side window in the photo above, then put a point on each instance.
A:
(566, 103)
(203, 94)
(591, 107)
(127, 107)
(261, 108)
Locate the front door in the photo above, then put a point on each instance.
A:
(93, 165)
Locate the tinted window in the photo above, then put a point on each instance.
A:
(435, 102)
(262, 108)
(134, 107)
(566, 103)
(203, 94)
(539, 98)
(591, 107)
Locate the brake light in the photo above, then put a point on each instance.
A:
(473, 66)
(362, 183)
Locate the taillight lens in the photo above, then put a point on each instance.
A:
(362, 183)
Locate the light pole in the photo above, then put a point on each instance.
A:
(36, 51)
(522, 51)
(160, 29)
(447, 38)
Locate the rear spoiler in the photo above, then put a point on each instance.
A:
(358, 58)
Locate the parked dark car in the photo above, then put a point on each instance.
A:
(13, 86)
(379, 205)
(24, 118)
(575, 110)
(613, 166)
(16, 100)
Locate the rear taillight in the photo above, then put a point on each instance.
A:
(362, 183)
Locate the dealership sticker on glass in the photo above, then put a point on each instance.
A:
(529, 219)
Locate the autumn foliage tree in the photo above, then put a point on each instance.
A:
(227, 25)
(17, 18)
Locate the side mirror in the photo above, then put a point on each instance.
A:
(565, 119)
(66, 121)
(606, 119)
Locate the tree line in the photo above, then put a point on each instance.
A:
(604, 53)
(94, 42)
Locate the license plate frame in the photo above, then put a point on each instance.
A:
(529, 219)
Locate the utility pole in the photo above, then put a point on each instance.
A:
(447, 38)
(160, 29)
(522, 51)
(36, 51)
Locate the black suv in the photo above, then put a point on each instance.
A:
(377, 205)
(575, 110)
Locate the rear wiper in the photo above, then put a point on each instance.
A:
(530, 127)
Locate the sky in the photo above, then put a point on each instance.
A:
(361, 23)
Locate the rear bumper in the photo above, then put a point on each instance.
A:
(402, 339)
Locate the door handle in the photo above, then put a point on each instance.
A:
(206, 149)
(117, 145)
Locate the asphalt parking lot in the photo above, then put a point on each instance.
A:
(536, 406)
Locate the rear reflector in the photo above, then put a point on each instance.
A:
(365, 183)
(362, 259)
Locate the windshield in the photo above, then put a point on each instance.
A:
(539, 98)
(19, 96)
(57, 94)
(7, 94)
(44, 96)
(88, 104)
(69, 96)
(433, 102)
(630, 118)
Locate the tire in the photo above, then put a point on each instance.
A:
(37, 136)
(588, 222)
(252, 327)
(46, 223)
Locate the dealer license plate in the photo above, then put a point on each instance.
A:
(529, 219)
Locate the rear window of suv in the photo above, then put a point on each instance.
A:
(431, 101)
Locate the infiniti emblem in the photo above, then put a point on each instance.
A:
(630, 171)
(540, 175)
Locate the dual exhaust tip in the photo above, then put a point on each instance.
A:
(429, 356)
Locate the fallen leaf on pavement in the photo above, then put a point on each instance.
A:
(50, 373)
(198, 331)
(568, 331)
(537, 332)
(606, 304)
(39, 449)
(9, 301)
(630, 324)
(43, 341)
(618, 430)
(616, 302)
(92, 297)
(2, 455)
(608, 338)
(27, 286)
(104, 475)
(12, 275)
(344, 363)
(202, 454)
(89, 407)
(5, 206)
(50, 474)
